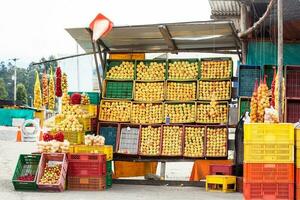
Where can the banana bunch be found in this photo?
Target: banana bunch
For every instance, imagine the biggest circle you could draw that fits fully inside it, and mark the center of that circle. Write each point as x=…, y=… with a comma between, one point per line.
x=180, y=113
x=123, y=71
x=147, y=113
x=194, y=141
x=216, y=142
x=180, y=91
x=37, y=101
x=149, y=91
x=183, y=70
x=219, y=90
x=216, y=69
x=150, y=140
x=206, y=113
x=172, y=141
x=115, y=111
x=151, y=71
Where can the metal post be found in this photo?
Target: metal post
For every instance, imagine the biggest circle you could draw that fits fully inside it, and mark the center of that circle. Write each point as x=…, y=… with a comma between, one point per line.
x=280, y=56
x=243, y=22
x=162, y=170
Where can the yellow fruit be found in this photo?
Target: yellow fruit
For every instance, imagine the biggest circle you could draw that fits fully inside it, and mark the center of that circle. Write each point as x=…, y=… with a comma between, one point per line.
x=216, y=69
x=180, y=113
x=207, y=114
x=181, y=91
x=123, y=71
x=115, y=111
x=147, y=113
x=150, y=140
x=150, y=71
x=37, y=101
x=172, y=141
x=149, y=91
x=218, y=90
x=216, y=142
x=194, y=141
x=183, y=70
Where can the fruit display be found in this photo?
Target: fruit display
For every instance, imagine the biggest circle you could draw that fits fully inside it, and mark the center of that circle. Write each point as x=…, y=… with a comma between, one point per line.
x=45, y=88
x=53, y=146
x=58, y=89
x=150, y=71
x=208, y=113
x=64, y=83
x=27, y=177
x=74, y=110
x=85, y=100
x=51, y=174
x=115, y=111
x=150, y=140
x=149, y=91
x=219, y=90
x=194, y=141
x=123, y=71
x=181, y=91
x=254, y=105
x=216, y=69
x=216, y=142
x=37, y=101
x=51, y=100
x=180, y=112
x=263, y=100
x=183, y=70
x=95, y=140
x=172, y=141
x=147, y=113
x=69, y=124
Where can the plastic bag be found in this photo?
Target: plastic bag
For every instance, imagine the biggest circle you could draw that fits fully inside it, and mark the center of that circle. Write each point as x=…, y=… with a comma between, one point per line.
x=271, y=115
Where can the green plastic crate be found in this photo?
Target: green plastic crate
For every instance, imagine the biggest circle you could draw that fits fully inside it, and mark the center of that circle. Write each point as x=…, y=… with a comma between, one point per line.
x=118, y=90
x=244, y=106
x=248, y=74
x=94, y=96
x=27, y=164
x=109, y=180
x=108, y=166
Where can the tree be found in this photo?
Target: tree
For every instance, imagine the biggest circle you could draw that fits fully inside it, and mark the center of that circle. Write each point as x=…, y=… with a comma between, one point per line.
x=3, y=92
x=22, y=93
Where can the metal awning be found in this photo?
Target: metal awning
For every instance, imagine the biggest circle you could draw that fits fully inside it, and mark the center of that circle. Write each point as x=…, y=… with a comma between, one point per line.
x=207, y=36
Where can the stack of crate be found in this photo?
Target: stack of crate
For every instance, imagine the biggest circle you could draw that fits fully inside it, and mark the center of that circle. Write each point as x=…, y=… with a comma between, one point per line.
x=268, y=161
x=87, y=172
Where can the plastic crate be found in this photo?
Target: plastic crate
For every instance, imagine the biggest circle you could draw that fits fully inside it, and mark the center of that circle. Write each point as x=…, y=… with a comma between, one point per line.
x=87, y=165
x=222, y=149
x=129, y=139
x=297, y=135
x=247, y=76
x=93, y=96
x=177, y=109
x=181, y=90
x=27, y=165
x=53, y=157
x=148, y=140
x=109, y=180
x=106, y=149
x=114, y=63
x=229, y=67
x=204, y=116
x=91, y=109
x=282, y=133
x=293, y=81
x=268, y=153
x=86, y=122
x=297, y=177
x=297, y=157
x=171, y=61
x=297, y=193
x=115, y=110
x=197, y=139
x=87, y=183
x=268, y=173
x=151, y=77
x=223, y=183
x=117, y=89
x=75, y=137
x=148, y=91
x=217, y=89
x=147, y=113
x=244, y=106
x=109, y=132
x=268, y=191
x=220, y=170
x=108, y=166
x=293, y=111
x=166, y=133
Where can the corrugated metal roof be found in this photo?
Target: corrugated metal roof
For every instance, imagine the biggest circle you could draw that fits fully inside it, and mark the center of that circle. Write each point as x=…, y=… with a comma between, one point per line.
x=189, y=36
x=224, y=8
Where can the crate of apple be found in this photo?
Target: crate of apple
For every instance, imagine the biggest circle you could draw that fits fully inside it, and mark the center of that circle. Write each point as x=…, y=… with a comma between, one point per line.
x=51, y=174
x=216, y=141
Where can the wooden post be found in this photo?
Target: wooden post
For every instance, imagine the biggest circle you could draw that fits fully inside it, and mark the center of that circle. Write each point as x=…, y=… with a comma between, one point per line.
x=243, y=24
x=280, y=56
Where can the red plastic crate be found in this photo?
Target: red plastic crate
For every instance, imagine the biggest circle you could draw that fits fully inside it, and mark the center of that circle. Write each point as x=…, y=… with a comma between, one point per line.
x=94, y=123
x=220, y=169
x=268, y=191
x=293, y=111
x=54, y=157
x=87, y=165
x=298, y=178
x=293, y=81
x=268, y=173
x=86, y=183
x=297, y=193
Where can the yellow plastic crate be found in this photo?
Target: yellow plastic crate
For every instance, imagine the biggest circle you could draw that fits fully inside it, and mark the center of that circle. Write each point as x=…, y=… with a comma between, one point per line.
x=105, y=149
x=268, y=153
x=298, y=157
x=269, y=133
x=91, y=109
x=297, y=135
x=220, y=183
x=86, y=122
x=73, y=137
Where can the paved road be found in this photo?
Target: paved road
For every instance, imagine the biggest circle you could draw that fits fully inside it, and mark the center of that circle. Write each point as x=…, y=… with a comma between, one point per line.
x=9, y=151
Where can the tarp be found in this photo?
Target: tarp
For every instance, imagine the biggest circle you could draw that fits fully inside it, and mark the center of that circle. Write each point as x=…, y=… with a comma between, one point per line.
x=265, y=53
x=6, y=115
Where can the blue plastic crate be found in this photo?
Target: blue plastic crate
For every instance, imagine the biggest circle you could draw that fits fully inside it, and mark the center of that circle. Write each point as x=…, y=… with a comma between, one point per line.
x=109, y=132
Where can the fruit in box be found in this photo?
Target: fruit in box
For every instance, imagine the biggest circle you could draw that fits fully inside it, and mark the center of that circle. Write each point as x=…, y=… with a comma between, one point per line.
x=216, y=69
x=150, y=140
x=180, y=113
x=181, y=91
x=172, y=140
x=53, y=146
x=194, y=141
x=115, y=111
x=51, y=174
x=219, y=90
x=70, y=123
x=28, y=177
x=123, y=71
x=147, y=113
x=183, y=70
x=216, y=142
x=149, y=91
x=74, y=110
x=151, y=71
x=206, y=113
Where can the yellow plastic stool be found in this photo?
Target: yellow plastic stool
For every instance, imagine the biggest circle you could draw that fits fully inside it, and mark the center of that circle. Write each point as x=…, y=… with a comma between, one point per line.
x=213, y=183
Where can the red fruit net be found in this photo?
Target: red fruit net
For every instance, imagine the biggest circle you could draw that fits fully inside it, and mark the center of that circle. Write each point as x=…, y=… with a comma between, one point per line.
x=58, y=89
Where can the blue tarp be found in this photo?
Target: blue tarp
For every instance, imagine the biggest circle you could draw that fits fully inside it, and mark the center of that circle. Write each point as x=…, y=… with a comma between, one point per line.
x=6, y=115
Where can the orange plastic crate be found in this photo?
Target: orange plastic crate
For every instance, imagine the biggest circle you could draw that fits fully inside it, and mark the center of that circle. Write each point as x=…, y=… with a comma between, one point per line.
x=297, y=193
x=268, y=191
x=298, y=178
x=268, y=173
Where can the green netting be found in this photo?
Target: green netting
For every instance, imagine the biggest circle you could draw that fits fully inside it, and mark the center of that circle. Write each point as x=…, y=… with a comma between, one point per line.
x=6, y=115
